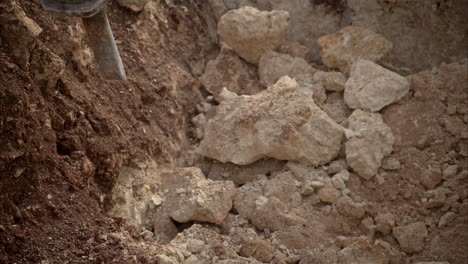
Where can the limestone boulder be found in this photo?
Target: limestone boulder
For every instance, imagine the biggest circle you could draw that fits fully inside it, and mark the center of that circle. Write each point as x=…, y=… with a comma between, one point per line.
x=273, y=65
x=282, y=122
x=231, y=72
x=342, y=49
x=251, y=32
x=372, y=87
x=369, y=141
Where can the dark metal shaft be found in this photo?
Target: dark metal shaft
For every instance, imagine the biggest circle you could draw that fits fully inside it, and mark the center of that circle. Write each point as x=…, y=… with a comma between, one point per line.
x=103, y=45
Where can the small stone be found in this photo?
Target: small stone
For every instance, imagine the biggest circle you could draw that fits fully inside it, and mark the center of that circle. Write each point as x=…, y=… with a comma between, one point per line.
x=147, y=235
x=449, y=172
x=307, y=189
x=316, y=184
x=347, y=207
x=328, y=194
x=195, y=246
x=446, y=219
x=296, y=200
x=264, y=252
x=163, y=259
x=251, y=32
x=411, y=237
x=156, y=200
x=192, y=260
x=371, y=87
x=391, y=164
x=431, y=177
x=385, y=222
x=330, y=81
x=337, y=166
x=343, y=174
x=338, y=182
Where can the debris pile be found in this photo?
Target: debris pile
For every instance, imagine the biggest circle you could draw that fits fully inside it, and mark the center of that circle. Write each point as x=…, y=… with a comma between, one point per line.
x=276, y=150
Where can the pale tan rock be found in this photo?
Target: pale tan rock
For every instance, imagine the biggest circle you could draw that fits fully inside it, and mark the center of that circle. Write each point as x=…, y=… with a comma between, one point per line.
x=371, y=87
x=371, y=140
x=431, y=177
x=385, y=222
x=203, y=200
x=230, y=72
x=411, y=237
x=18, y=31
x=281, y=122
x=347, y=207
x=362, y=251
x=134, y=5
x=446, y=219
x=306, y=82
x=273, y=65
x=264, y=251
x=342, y=49
x=251, y=32
x=328, y=194
x=330, y=81
x=263, y=212
x=336, y=108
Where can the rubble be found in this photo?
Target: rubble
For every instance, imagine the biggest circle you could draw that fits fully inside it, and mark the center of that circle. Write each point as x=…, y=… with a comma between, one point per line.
x=371, y=87
x=342, y=49
x=370, y=141
x=251, y=32
x=281, y=122
x=273, y=65
x=411, y=237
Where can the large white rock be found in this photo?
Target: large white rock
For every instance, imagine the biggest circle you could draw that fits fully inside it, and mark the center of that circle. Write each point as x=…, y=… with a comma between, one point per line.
x=230, y=71
x=372, y=87
x=251, y=32
x=273, y=65
x=282, y=122
x=369, y=141
x=342, y=49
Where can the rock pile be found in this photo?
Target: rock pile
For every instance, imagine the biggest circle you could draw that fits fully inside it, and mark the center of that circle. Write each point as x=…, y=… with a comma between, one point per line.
x=296, y=169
